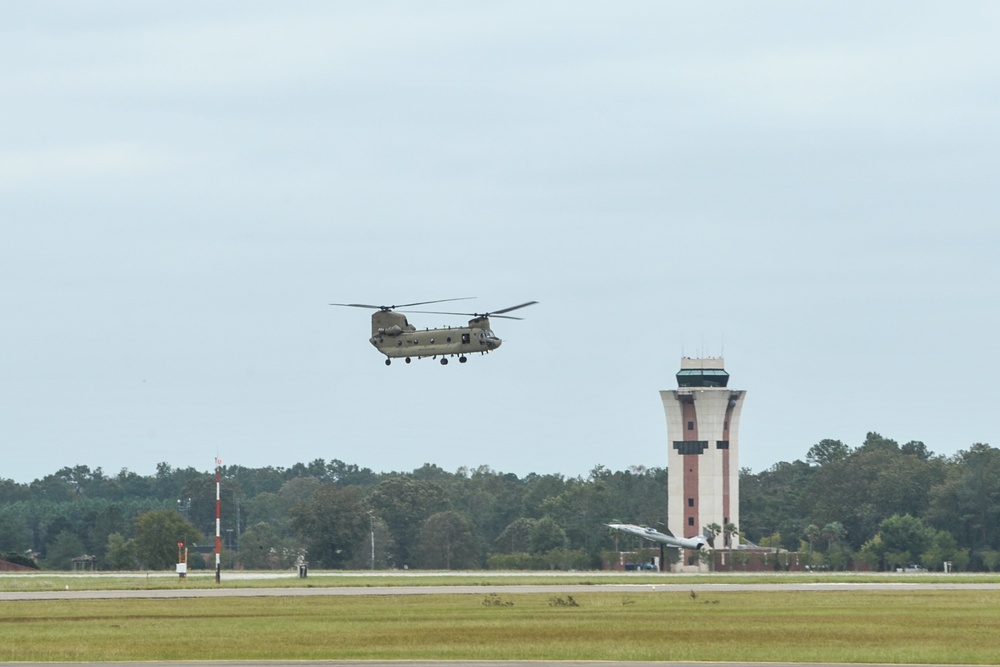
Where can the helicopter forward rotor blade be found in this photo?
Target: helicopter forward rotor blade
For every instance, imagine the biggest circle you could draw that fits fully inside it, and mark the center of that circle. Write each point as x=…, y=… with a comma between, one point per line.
x=443, y=312
x=507, y=310
x=495, y=313
x=402, y=305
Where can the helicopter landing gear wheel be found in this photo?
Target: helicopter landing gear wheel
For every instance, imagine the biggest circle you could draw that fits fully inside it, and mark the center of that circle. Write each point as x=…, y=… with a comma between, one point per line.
x=388, y=362
x=444, y=361
x=462, y=360
x=407, y=360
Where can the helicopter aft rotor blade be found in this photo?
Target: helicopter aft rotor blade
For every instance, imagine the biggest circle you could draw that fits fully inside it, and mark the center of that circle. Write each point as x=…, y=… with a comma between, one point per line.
x=357, y=305
x=421, y=303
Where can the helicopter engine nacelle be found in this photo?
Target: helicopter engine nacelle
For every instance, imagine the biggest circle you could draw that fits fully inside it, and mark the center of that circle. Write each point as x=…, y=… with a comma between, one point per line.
x=389, y=323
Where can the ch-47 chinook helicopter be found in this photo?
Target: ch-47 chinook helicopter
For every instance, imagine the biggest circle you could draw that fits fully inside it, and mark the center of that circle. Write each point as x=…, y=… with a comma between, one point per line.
x=396, y=338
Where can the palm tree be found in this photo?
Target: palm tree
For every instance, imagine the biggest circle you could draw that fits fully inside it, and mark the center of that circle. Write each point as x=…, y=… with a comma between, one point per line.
x=812, y=534
x=729, y=530
x=713, y=530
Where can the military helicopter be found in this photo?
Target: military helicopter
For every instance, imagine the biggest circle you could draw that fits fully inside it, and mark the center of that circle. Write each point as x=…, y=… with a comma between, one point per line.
x=396, y=338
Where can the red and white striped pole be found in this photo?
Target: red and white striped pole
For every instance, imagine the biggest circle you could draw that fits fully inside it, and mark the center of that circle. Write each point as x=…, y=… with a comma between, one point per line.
x=218, y=520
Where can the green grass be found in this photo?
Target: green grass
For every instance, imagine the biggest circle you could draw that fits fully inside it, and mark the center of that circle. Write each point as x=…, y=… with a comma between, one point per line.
x=46, y=581
x=859, y=626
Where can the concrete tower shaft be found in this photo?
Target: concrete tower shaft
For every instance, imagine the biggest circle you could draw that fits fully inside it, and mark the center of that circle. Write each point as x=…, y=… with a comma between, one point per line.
x=703, y=417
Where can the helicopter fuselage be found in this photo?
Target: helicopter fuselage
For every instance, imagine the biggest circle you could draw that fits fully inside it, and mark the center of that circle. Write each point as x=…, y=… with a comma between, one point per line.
x=396, y=338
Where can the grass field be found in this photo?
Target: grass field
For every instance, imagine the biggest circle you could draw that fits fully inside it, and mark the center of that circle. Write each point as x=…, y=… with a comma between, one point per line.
x=46, y=581
x=861, y=626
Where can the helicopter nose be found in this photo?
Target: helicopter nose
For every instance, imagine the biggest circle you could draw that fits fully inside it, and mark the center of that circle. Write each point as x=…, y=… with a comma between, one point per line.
x=493, y=342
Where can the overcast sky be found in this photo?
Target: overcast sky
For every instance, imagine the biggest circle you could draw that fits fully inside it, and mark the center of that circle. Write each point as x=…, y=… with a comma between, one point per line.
x=808, y=189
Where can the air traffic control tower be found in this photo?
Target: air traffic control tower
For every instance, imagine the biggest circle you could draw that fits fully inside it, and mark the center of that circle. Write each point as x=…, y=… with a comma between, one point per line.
x=703, y=418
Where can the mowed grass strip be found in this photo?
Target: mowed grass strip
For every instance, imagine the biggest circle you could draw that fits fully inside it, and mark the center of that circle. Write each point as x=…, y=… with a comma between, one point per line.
x=324, y=579
x=863, y=626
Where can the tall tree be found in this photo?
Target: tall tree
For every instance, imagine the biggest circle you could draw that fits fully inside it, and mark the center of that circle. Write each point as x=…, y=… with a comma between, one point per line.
x=826, y=451
x=583, y=506
x=62, y=550
x=905, y=538
x=516, y=537
x=120, y=553
x=331, y=524
x=491, y=499
x=874, y=482
x=771, y=502
x=404, y=504
x=379, y=537
x=14, y=533
x=253, y=481
x=918, y=449
x=538, y=489
x=262, y=548
x=448, y=541
x=944, y=548
x=876, y=442
x=157, y=535
x=12, y=492
x=547, y=535
x=967, y=501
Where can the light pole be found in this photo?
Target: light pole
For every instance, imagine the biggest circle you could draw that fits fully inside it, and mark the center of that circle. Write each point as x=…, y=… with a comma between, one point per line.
x=371, y=521
x=218, y=519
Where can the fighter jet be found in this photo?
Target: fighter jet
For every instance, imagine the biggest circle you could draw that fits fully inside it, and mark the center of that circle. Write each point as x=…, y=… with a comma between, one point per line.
x=666, y=539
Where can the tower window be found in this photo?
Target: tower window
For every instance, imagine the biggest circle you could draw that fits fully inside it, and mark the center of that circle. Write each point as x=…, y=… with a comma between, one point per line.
x=690, y=520
x=690, y=426
x=688, y=447
x=702, y=377
x=690, y=502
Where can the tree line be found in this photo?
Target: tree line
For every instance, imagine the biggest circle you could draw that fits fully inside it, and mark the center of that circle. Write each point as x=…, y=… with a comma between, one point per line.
x=881, y=503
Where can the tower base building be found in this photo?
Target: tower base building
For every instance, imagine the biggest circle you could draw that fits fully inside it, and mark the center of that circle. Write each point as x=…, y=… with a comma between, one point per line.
x=703, y=482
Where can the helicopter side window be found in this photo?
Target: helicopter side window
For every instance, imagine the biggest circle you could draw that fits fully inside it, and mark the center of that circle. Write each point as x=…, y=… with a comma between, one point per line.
x=465, y=338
